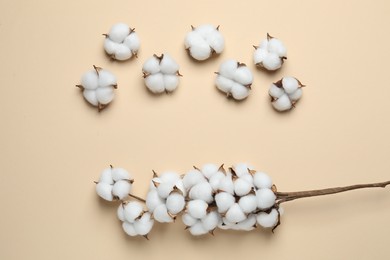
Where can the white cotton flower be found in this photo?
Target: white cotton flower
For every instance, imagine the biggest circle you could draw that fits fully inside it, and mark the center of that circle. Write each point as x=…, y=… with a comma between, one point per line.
x=197, y=208
x=234, y=79
x=270, y=54
x=188, y=220
x=224, y=201
x=235, y=214
x=192, y=178
x=164, y=189
x=175, y=203
x=132, y=210
x=211, y=220
x=242, y=187
x=104, y=190
x=161, y=214
x=203, y=41
x=262, y=180
x=285, y=93
x=268, y=220
x=202, y=191
x=161, y=74
x=144, y=224
x=265, y=198
x=121, y=42
x=248, y=203
x=98, y=87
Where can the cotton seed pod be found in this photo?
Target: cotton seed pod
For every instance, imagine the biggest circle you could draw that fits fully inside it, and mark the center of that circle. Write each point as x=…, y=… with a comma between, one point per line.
x=161, y=74
x=270, y=54
x=114, y=183
x=203, y=41
x=98, y=87
x=234, y=79
x=285, y=93
x=121, y=42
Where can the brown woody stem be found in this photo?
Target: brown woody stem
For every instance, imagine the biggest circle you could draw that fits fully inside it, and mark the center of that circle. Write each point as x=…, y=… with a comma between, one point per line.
x=289, y=196
x=138, y=198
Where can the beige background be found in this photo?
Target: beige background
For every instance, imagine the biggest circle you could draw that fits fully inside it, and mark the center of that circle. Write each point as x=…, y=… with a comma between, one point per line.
x=53, y=145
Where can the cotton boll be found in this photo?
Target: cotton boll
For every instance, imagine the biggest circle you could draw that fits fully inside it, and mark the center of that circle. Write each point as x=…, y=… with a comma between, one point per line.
x=175, y=203
x=197, y=208
x=121, y=189
x=171, y=82
x=262, y=180
x=105, y=95
x=248, y=203
x=242, y=187
x=192, y=178
x=120, y=213
x=275, y=91
x=283, y=103
x=119, y=32
x=290, y=84
x=272, y=62
x=268, y=220
x=295, y=96
x=188, y=220
x=161, y=215
x=120, y=174
x=197, y=229
x=210, y=222
x=122, y=52
x=248, y=224
x=110, y=46
x=209, y=169
x=153, y=200
x=164, y=189
x=152, y=65
x=265, y=198
x=202, y=191
x=168, y=65
x=200, y=52
x=239, y=92
x=243, y=76
x=224, y=201
x=228, y=69
x=132, y=42
x=129, y=229
x=224, y=84
x=132, y=210
x=276, y=46
x=144, y=224
x=90, y=96
x=215, y=180
x=235, y=214
x=106, y=176
x=259, y=56
x=90, y=80
x=104, y=190
x=155, y=83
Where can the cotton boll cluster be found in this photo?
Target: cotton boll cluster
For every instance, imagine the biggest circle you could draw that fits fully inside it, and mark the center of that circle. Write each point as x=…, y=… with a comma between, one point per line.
x=135, y=221
x=203, y=41
x=98, y=87
x=121, y=42
x=285, y=93
x=166, y=197
x=270, y=54
x=234, y=79
x=114, y=183
x=161, y=74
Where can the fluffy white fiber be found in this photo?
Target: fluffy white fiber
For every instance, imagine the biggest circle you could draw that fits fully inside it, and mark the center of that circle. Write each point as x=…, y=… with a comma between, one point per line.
x=270, y=54
x=234, y=79
x=203, y=41
x=114, y=183
x=285, y=93
x=121, y=42
x=98, y=87
x=209, y=197
x=161, y=74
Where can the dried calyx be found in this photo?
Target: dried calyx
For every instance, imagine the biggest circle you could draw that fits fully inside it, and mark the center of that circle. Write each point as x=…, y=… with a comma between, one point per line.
x=207, y=198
